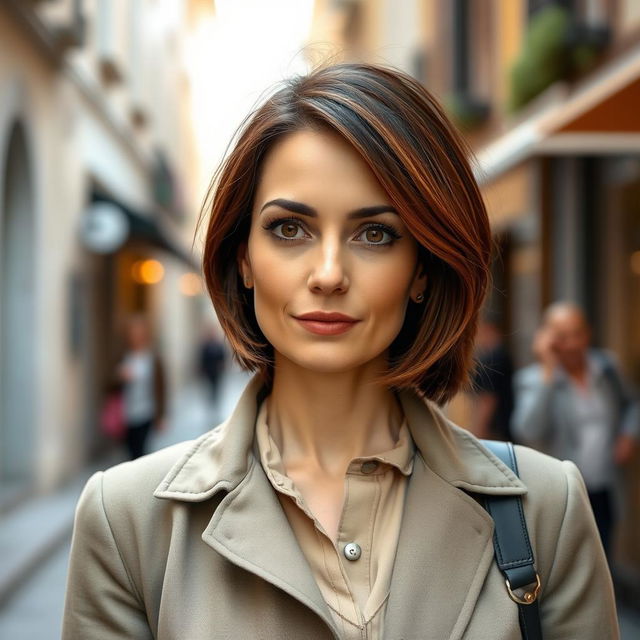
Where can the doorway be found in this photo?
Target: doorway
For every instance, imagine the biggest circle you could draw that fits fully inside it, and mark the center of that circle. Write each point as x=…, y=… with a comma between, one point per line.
x=17, y=324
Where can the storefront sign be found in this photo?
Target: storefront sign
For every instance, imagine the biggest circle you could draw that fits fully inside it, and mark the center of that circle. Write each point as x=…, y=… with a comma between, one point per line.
x=104, y=227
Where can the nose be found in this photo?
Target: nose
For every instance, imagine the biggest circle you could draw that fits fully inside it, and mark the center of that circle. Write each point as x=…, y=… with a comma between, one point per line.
x=328, y=272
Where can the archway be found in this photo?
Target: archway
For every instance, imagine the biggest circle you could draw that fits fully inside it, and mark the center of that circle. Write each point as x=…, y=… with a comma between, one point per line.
x=17, y=313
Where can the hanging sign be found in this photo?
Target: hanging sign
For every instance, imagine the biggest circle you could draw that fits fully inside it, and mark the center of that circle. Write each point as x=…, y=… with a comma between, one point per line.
x=104, y=227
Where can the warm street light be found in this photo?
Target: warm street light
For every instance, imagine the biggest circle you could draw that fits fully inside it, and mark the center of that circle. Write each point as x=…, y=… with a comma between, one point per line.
x=147, y=271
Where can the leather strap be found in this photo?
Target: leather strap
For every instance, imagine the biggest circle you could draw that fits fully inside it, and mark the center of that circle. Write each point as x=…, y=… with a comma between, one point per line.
x=513, y=552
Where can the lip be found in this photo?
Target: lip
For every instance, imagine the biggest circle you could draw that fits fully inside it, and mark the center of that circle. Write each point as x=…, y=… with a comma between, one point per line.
x=326, y=316
x=326, y=323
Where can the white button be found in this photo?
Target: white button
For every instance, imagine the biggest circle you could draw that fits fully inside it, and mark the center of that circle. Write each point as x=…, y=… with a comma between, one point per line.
x=352, y=551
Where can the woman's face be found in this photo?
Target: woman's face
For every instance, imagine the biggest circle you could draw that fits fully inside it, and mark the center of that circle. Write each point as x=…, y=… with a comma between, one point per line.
x=325, y=238
x=137, y=334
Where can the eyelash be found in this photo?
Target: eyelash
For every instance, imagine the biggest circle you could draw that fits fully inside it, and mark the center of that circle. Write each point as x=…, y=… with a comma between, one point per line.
x=270, y=225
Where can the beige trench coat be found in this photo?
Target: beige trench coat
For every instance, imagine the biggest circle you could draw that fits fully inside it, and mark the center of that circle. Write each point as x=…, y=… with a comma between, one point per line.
x=191, y=543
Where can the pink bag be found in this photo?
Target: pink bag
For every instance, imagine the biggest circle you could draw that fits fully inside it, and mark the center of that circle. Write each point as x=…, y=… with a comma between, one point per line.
x=112, y=416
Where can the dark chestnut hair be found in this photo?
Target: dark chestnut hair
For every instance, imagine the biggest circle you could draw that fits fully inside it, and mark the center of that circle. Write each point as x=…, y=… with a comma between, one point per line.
x=402, y=133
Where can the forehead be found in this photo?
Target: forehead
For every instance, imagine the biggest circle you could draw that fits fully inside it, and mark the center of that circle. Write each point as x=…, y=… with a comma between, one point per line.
x=321, y=166
x=568, y=321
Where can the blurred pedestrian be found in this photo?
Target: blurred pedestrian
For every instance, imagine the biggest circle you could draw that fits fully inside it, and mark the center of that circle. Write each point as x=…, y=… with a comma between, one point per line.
x=143, y=386
x=212, y=359
x=575, y=405
x=347, y=256
x=492, y=384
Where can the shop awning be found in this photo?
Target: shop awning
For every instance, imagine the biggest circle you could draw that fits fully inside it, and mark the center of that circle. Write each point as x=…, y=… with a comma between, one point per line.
x=601, y=116
x=147, y=228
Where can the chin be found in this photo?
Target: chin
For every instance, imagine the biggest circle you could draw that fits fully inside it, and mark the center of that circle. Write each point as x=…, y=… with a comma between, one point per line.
x=326, y=360
x=324, y=365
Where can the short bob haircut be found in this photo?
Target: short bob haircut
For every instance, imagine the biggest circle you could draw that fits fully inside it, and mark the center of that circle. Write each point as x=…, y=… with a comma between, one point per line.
x=401, y=132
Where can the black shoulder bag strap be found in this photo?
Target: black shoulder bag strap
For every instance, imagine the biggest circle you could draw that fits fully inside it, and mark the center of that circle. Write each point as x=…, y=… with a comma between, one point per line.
x=513, y=551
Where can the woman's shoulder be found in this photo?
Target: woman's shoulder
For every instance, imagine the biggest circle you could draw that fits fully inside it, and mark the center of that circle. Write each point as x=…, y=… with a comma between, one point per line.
x=556, y=506
x=533, y=465
x=543, y=474
x=554, y=498
x=568, y=553
x=548, y=480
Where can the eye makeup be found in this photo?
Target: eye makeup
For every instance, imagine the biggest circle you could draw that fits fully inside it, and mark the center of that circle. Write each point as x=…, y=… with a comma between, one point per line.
x=271, y=224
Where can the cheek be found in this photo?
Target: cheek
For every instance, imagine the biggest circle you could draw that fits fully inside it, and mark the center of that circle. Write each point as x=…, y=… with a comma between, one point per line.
x=274, y=280
x=272, y=277
x=386, y=291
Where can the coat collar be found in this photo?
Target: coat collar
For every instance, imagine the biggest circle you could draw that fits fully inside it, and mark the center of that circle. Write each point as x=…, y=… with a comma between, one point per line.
x=454, y=454
x=220, y=459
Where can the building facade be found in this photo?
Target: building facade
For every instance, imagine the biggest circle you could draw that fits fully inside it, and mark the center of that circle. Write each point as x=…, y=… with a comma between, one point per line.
x=94, y=117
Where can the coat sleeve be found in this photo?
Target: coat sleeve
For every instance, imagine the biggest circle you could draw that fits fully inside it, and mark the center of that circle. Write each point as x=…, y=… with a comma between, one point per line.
x=531, y=421
x=101, y=601
x=578, y=599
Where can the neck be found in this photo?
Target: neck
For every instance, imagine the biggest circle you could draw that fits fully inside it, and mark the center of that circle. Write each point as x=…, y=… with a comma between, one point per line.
x=324, y=420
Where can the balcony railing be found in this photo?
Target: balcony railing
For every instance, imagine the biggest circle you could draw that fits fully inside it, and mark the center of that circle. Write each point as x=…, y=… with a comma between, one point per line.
x=557, y=46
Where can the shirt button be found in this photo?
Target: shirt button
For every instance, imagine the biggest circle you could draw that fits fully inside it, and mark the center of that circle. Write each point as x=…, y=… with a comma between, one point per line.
x=352, y=551
x=369, y=466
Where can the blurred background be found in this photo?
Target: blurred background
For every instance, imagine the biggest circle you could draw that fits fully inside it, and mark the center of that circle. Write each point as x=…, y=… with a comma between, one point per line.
x=113, y=117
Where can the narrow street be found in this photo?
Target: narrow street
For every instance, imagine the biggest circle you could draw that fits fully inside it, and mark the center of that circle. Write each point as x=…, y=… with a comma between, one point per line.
x=35, y=610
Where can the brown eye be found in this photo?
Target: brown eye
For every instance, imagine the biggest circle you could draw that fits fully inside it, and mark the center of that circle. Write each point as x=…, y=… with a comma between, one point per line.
x=289, y=230
x=286, y=229
x=378, y=235
x=374, y=235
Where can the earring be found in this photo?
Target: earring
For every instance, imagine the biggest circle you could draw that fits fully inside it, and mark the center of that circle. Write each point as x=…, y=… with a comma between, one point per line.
x=247, y=283
x=419, y=297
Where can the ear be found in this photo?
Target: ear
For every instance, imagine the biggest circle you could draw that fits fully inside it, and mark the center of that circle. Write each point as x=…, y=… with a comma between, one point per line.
x=419, y=282
x=244, y=265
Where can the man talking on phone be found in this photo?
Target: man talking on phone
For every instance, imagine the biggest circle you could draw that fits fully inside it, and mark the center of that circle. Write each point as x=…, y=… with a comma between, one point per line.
x=575, y=405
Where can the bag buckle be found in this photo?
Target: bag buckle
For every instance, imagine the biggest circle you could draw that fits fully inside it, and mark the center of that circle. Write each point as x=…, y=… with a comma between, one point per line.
x=529, y=597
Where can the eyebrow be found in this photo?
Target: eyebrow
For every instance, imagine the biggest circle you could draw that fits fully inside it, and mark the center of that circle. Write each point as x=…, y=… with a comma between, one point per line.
x=306, y=210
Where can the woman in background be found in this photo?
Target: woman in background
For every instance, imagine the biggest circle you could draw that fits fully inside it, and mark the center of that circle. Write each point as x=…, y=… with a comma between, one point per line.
x=142, y=378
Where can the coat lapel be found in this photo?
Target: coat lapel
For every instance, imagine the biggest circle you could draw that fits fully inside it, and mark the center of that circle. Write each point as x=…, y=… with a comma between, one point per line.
x=251, y=530
x=445, y=548
x=444, y=552
x=248, y=527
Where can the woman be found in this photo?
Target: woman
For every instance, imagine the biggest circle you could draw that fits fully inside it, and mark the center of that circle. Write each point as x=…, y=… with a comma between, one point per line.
x=347, y=256
x=141, y=376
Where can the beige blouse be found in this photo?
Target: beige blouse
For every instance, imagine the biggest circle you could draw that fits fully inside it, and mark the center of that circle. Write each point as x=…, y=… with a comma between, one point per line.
x=354, y=572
